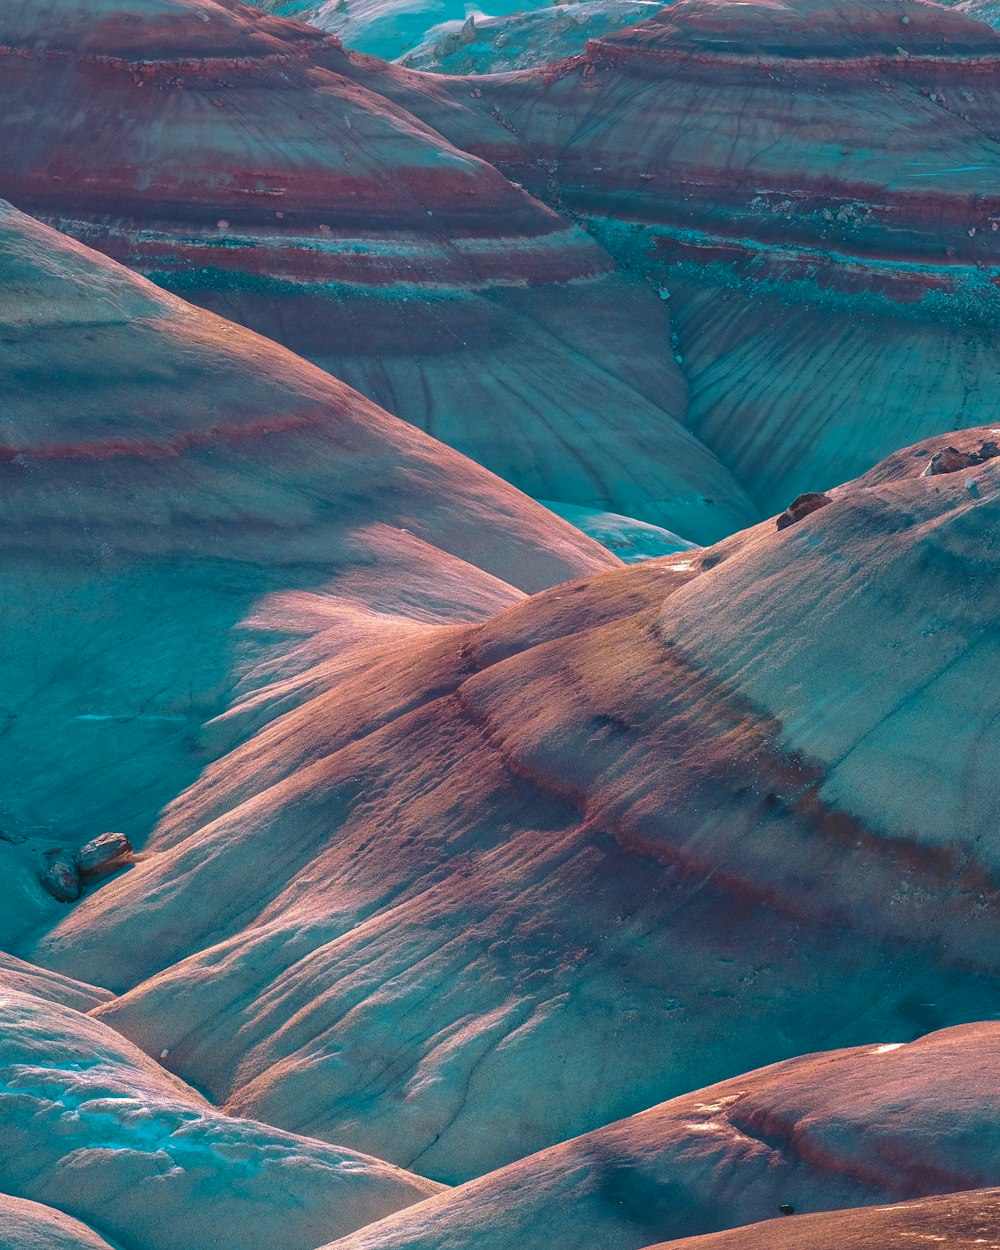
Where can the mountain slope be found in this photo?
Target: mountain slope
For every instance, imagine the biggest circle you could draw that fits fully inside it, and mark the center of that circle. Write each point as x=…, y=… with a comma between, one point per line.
x=512, y=867
x=30, y=1226
x=93, y=1126
x=846, y=1128
x=812, y=188
x=960, y=1221
x=164, y=472
x=220, y=152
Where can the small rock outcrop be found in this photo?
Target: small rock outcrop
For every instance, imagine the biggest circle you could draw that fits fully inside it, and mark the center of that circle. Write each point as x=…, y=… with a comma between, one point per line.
x=103, y=854
x=62, y=879
x=951, y=460
x=801, y=507
x=64, y=875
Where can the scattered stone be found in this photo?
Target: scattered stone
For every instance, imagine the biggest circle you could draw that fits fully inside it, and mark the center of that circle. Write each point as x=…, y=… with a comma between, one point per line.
x=812, y=501
x=951, y=460
x=62, y=880
x=103, y=853
x=456, y=39
x=786, y=1208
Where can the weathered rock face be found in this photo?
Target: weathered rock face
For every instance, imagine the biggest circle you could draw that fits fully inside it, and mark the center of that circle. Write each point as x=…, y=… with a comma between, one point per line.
x=163, y=472
x=382, y=28
x=436, y=34
x=814, y=185
x=851, y=1127
x=984, y=10
x=18, y=974
x=220, y=152
x=93, y=1126
x=520, y=40
x=543, y=842
x=871, y=664
x=458, y=863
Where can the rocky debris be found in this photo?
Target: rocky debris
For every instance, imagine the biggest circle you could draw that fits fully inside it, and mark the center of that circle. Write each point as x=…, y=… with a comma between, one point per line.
x=62, y=879
x=532, y=36
x=951, y=460
x=64, y=874
x=456, y=39
x=103, y=853
x=801, y=507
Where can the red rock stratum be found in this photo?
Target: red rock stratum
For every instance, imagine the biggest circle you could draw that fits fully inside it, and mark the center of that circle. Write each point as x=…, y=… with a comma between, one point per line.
x=220, y=152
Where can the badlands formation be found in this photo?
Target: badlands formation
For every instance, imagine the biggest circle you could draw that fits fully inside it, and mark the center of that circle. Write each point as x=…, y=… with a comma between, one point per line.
x=222, y=154
x=813, y=189
x=164, y=473
x=501, y=570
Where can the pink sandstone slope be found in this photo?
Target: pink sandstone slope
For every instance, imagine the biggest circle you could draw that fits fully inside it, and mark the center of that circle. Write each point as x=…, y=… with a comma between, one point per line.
x=963, y=1221
x=847, y=1128
x=218, y=151
x=813, y=188
x=31, y=1226
x=475, y=892
x=164, y=473
x=17, y=974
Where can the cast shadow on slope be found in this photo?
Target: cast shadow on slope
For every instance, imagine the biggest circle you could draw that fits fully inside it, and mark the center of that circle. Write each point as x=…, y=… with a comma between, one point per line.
x=164, y=471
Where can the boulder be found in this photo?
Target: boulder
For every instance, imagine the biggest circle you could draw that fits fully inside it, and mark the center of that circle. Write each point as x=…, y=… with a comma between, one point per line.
x=103, y=853
x=801, y=507
x=951, y=460
x=62, y=880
